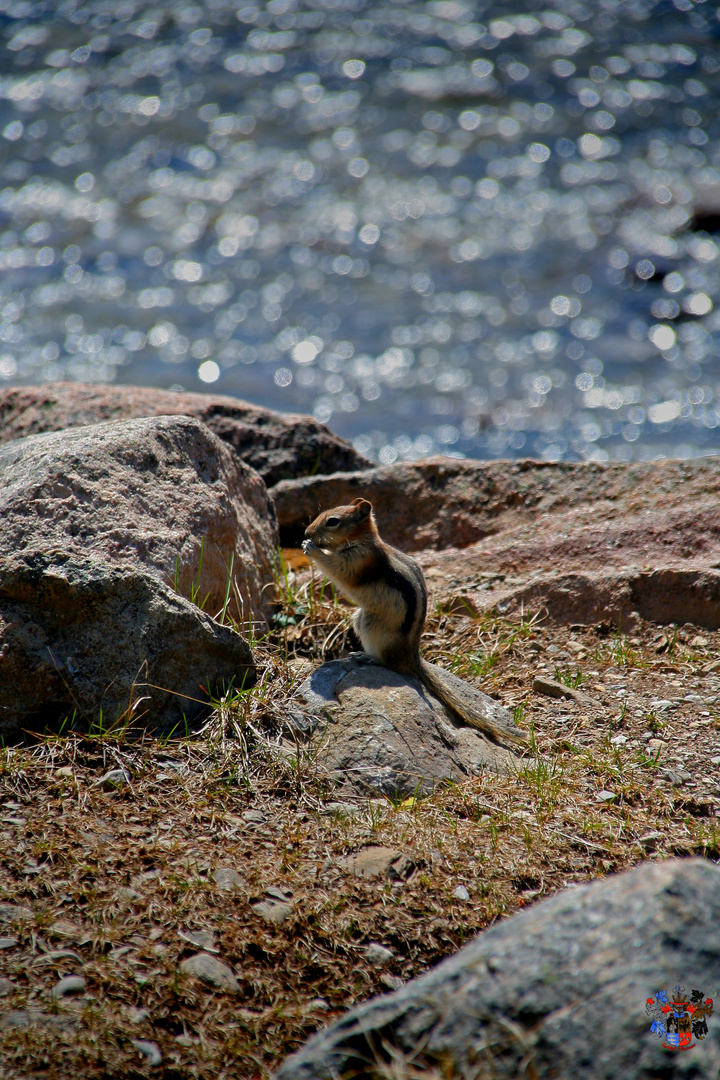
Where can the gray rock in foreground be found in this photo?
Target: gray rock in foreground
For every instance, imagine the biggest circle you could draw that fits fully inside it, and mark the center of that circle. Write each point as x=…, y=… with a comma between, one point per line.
x=380, y=732
x=560, y=987
x=86, y=640
x=143, y=492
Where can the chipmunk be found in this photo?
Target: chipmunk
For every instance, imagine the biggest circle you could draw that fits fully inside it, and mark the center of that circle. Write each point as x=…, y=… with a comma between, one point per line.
x=389, y=588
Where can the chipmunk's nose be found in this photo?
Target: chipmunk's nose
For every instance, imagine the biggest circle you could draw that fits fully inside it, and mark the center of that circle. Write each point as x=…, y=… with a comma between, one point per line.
x=307, y=531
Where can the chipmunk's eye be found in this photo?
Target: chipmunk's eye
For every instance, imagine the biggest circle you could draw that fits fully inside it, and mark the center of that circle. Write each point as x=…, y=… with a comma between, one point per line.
x=332, y=523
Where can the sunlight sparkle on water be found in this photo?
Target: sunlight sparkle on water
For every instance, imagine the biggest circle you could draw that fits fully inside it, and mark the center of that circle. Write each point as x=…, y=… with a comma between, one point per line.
x=477, y=230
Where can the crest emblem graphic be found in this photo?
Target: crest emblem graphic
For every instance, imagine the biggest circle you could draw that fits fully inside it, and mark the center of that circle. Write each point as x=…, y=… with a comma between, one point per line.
x=680, y=1018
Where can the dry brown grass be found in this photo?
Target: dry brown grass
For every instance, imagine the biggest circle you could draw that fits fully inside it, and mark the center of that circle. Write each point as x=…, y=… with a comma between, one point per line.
x=73, y=847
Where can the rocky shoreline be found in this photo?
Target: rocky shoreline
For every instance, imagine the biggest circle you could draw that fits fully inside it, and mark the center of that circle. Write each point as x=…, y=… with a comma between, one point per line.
x=140, y=569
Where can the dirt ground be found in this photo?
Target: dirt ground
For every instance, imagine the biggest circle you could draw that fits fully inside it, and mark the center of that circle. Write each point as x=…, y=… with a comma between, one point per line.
x=123, y=856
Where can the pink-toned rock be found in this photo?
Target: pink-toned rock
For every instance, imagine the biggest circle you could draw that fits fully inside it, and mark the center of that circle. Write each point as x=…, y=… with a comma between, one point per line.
x=616, y=596
x=446, y=502
x=582, y=542
x=147, y=492
x=276, y=445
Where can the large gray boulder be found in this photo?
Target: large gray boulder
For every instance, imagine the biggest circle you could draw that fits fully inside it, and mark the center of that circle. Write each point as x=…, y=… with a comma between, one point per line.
x=377, y=732
x=560, y=990
x=93, y=643
x=150, y=493
x=276, y=445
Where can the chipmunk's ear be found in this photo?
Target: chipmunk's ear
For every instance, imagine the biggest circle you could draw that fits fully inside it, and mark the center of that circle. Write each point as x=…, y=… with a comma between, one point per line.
x=363, y=509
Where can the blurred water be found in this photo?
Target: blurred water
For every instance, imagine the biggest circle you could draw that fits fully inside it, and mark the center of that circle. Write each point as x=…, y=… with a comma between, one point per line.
x=481, y=228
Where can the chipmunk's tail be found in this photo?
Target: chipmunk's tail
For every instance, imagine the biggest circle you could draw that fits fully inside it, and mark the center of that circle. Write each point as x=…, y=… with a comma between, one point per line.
x=473, y=712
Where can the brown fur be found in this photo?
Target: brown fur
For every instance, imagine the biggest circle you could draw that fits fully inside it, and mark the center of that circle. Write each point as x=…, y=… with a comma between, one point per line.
x=389, y=588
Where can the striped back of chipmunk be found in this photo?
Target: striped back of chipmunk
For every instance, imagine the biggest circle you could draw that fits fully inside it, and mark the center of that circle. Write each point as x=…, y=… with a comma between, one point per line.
x=400, y=575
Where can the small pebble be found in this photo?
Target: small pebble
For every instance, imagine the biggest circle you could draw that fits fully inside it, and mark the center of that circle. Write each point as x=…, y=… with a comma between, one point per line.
x=278, y=894
x=112, y=780
x=227, y=879
x=72, y=984
x=126, y=895
x=6, y=987
x=340, y=808
x=619, y=740
x=211, y=971
x=461, y=893
x=377, y=954
x=650, y=840
x=274, y=908
x=15, y=913
x=136, y=1015
x=185, y=1040
x=201, y=939
x=149, y=1050
x=316, y=1005
x=605, y=796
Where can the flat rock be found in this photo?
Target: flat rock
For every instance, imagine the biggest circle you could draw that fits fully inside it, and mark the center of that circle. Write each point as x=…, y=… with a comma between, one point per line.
x=572, y=539
x=277, y=445
x=227, y=878
x=112, y=780
x=81, y=639
x=274, y=909
x=444, y=502
x=378, y=861
x=65, y=928
x=15, y=913
x=211, y=971
x=561, y=987
x=553, y=688
x=377, y=955
x=71, y=984
x=620, y=596
x=22, y=1018
x=127, y=896
x=158, y=493
x=201, y=939
x=380, y=732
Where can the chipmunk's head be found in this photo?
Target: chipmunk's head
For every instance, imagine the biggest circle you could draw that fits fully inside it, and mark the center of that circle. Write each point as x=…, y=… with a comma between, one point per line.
x=335, y=529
